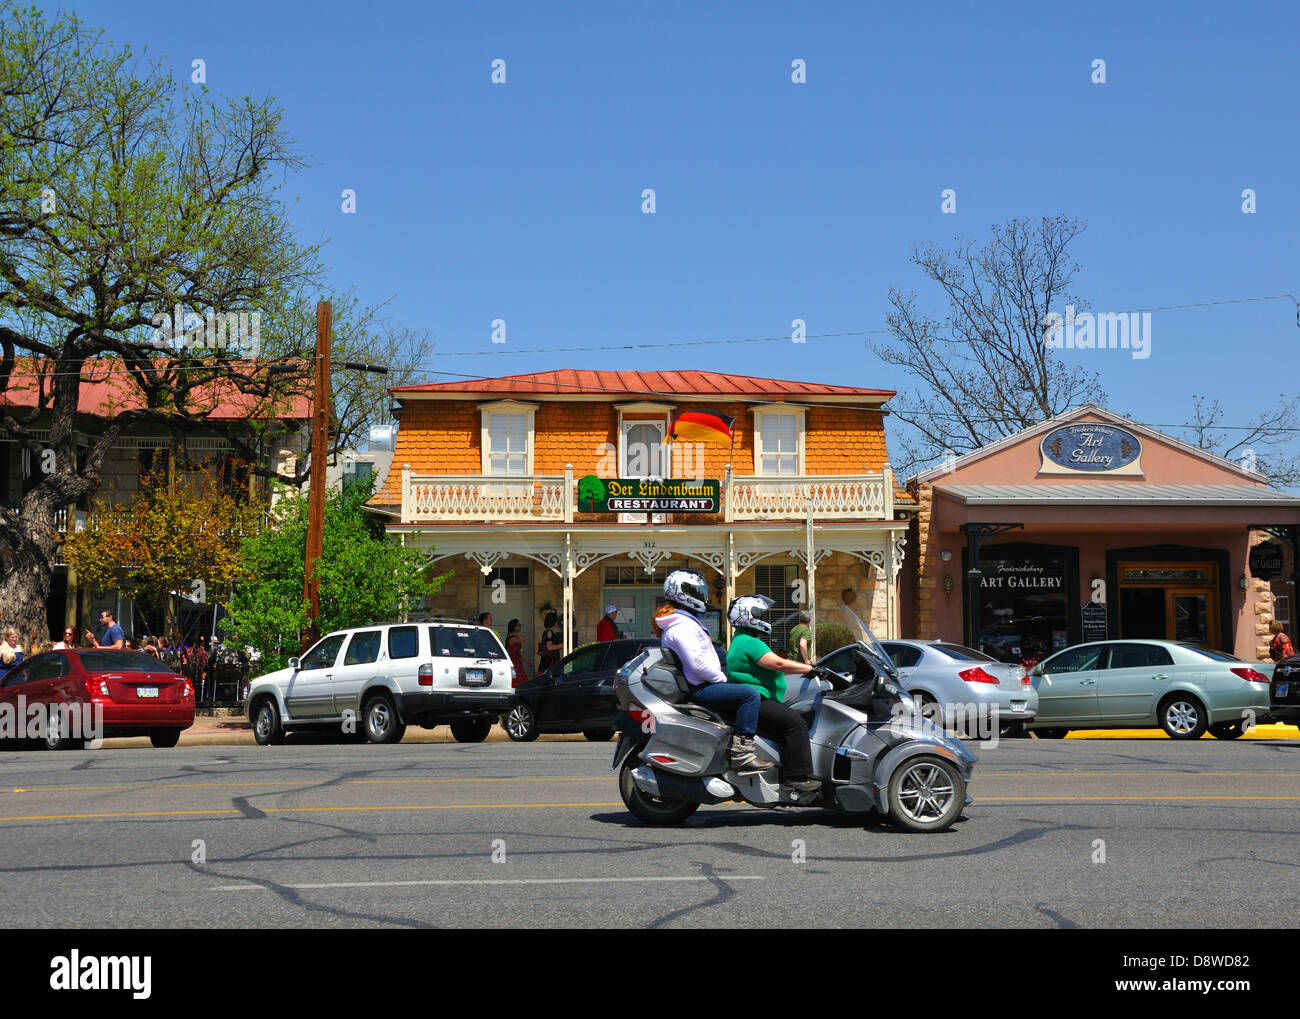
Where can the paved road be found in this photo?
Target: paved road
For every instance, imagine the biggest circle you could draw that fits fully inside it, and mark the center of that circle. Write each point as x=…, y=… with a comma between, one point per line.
x=446, y=835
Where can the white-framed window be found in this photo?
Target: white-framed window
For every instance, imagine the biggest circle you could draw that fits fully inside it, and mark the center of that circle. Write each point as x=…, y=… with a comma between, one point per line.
x=507, y=439
x=778, y=442
x=1282, y=609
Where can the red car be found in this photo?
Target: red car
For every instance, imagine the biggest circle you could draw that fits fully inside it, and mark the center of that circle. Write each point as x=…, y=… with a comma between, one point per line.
x=94, y=695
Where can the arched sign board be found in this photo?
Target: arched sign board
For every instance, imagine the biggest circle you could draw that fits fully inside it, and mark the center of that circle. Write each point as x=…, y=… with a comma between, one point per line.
x=1091, y=448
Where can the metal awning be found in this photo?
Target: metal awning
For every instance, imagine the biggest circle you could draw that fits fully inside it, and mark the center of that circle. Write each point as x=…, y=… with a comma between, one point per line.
x=1113, y=494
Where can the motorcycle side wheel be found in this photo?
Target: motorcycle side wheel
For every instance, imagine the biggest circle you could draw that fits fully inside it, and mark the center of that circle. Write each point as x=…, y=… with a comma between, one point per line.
x=646, y=808
x=926, y=794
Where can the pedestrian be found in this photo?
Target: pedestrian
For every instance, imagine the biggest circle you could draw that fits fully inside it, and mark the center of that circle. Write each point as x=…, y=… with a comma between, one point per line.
x=1280, y=647
x=114, y=638
x=11, y=651
x=483, y=619
x=550, y=646
x=69, y=641
x=515, y=649
x=801, y=638
x=605, y=629
x=201, y=666
x=150, y=647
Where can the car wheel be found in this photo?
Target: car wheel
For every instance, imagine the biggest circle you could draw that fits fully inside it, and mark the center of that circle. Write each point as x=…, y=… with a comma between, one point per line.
x=599, y=735
x=471, y=730
x=1182, y=717
x=926, y=794
x=267, y=730
x=56, y=737
x=932, y=710
x=521, y=724
x=647, y=808
x=163, y=738
x=382, y=724
x=1051, y=733
x=1011, y=730
x=1228, y=730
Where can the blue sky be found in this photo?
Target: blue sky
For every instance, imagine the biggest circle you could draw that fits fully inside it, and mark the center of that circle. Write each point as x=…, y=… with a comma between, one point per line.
x=777, y=201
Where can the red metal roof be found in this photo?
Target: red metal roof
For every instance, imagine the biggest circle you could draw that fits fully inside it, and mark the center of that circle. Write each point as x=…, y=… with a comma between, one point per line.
x=579, y=382
x=106, y=390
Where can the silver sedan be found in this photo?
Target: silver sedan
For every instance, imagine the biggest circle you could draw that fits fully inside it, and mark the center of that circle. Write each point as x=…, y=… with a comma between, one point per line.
x=1183, y=688
x=964, y=690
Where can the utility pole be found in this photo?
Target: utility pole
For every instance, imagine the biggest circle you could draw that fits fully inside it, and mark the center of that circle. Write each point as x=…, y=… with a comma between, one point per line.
x=320, y=419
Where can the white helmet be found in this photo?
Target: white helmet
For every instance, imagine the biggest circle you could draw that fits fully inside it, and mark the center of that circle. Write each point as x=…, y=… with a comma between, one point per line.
x=746, y=612
x=687, y=589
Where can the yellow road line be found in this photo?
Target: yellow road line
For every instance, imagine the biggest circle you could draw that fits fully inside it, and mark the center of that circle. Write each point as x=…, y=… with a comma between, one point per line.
x=300, y=810
x=1090, y=799
x=1140, y=774
x=240, y=785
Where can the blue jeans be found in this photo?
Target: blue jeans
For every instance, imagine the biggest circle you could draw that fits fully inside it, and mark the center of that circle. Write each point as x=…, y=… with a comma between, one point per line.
x=741, y=699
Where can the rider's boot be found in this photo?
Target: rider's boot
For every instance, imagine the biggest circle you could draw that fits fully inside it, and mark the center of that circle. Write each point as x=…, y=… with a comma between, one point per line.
x=743, y=756
x=801, y=785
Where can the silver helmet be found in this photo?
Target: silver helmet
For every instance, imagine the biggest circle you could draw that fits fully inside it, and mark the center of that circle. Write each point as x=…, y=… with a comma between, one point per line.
x=687, y=589
x=746, y=612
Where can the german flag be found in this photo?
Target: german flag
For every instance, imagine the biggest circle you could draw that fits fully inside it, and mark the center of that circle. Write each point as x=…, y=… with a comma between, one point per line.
x=701, y=426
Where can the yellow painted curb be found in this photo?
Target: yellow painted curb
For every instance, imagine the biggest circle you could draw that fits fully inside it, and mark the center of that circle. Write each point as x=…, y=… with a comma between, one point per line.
x=1275, y=731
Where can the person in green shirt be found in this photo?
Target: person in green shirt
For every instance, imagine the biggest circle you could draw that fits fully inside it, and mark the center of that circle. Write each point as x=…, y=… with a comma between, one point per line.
x=752, y=662
x=801, y=639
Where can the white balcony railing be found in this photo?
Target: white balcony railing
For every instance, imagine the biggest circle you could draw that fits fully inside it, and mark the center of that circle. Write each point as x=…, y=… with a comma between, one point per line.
x=477, y=498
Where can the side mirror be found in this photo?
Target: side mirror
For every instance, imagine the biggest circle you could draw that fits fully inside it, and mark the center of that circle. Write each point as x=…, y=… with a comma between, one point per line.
x=294, y=664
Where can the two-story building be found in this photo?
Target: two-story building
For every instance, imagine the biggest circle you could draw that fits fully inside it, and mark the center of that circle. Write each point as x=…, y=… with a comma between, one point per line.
x=486, y=476
x=277, y=432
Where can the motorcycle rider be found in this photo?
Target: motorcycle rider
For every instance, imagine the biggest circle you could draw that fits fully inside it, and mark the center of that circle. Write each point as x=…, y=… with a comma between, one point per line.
x=684, y=635
x=751, y=662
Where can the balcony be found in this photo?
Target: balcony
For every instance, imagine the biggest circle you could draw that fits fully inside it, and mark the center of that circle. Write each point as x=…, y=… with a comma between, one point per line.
x=477, y=498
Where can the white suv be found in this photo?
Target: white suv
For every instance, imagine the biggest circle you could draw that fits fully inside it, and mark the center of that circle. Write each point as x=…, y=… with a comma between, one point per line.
x=375, y=680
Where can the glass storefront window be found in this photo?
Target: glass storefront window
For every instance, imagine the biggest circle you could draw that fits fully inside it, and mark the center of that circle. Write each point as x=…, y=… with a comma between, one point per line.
x=1022, y=608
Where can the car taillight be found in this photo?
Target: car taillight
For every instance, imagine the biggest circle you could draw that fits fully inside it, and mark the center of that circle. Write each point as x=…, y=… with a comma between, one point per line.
x=188, y=692
x=977, y=675
x=425, y=676
x=1025, y=680
x=1250, y=675
x=96, y=687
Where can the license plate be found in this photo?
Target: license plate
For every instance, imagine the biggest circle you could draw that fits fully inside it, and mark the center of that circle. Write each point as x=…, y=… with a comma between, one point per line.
x=1018, y=705
x=477, y=677
x=1282, y=689
x=146, y=691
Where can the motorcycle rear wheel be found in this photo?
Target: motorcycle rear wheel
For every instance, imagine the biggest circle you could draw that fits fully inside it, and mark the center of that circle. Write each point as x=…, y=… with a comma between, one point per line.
x=646, y=808
x=926, y=794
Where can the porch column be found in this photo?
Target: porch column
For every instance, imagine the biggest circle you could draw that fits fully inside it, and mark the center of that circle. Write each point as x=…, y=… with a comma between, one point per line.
x=728, y=583
x=811, y=560
x=567, y=603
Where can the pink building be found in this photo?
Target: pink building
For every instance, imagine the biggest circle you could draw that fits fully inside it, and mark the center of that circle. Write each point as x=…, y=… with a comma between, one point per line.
x=1092, y=527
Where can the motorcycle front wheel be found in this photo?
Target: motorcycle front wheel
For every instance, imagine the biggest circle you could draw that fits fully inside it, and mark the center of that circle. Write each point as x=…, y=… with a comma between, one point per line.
x=926, y=794
x=646, y=807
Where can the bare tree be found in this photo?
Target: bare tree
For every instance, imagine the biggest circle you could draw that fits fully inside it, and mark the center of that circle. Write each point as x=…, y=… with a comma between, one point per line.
x=1267, y=445
x=983, y=369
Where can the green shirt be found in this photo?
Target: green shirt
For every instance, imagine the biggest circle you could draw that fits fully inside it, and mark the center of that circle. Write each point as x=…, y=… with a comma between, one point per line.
x=743, y=667
x=800, y=632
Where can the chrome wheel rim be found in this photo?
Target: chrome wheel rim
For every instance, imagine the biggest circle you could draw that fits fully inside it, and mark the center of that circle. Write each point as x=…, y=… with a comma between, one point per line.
x=519, y=721
x=378, y=719
x=925, y=792
x=264, y=722
x=1181, y=717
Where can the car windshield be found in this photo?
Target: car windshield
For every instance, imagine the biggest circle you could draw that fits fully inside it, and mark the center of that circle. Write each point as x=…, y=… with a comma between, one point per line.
x=962, y=654
x=119, y=661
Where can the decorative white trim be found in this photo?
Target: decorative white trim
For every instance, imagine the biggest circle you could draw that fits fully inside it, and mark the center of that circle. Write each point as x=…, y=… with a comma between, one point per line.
x=649, y=558
x=802, y=555
x=486, y=560
x=899, y=550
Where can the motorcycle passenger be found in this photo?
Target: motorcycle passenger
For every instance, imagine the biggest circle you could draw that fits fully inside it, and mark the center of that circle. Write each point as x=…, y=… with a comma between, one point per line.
x=751, y=662
x=684, y=635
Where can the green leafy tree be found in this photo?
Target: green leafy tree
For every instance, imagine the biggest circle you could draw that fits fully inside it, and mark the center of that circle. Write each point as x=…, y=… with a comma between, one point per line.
x=178, y=536
x=365, y=577
x=126, y=193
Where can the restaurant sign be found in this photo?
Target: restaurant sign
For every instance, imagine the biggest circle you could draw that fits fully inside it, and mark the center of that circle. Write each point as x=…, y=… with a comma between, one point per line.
x=1091, y=448
x=647, y=495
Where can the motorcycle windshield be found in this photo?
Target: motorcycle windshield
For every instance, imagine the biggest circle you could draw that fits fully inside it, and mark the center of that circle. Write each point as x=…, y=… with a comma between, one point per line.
x=868, y=640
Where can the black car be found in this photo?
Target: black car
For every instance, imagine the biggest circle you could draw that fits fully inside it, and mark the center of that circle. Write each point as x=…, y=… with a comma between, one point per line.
x=1284, y=691
x=576, y=694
